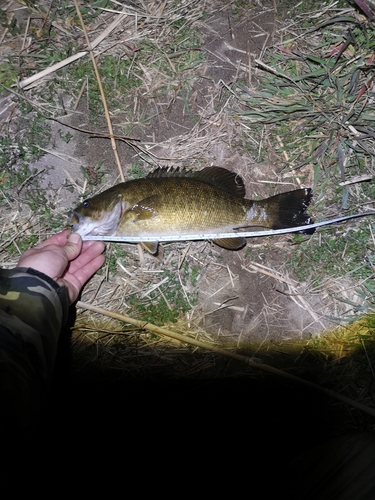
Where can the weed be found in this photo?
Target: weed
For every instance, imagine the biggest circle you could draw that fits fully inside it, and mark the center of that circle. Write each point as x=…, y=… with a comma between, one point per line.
x=94, y=175
x=137, y=171
x=26, y=146
x=65, y=137
x=116, y=77
x=23, y=245
x=115, y=252
x=315, y=95
x=195, y=272
x=8, y=76
x=167, y=302
x=337, y=252
x=320, y=99
x=157, y=314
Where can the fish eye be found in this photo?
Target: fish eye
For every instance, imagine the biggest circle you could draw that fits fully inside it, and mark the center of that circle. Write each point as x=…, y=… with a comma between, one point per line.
x=86, y=204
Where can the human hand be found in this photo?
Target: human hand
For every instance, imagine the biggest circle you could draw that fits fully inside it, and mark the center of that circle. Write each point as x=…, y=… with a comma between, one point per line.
x=66, y=259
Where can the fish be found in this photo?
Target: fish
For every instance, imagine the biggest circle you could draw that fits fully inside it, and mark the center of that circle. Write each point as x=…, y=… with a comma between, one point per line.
x=176, y=202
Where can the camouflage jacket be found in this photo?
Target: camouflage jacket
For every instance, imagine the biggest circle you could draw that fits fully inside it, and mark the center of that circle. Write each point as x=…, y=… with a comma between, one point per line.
x=33, y=309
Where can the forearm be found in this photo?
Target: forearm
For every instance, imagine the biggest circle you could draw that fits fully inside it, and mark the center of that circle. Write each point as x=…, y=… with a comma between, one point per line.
x=33, y=309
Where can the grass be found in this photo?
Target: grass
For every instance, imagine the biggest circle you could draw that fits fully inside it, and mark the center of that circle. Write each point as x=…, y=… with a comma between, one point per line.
x=162, y=302
x=315, y=93
x=52, y=38
x=312, y=108
x=25, y=147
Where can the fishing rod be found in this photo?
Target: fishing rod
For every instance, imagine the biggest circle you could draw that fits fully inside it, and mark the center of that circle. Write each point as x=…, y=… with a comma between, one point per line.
x=214, y=236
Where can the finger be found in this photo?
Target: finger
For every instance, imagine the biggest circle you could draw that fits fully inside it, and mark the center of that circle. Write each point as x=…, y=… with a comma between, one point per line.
x=73, y=246
x=90, y=250
x=89, y=243
x=59, y=239
x=74, y=282
x=84, y=273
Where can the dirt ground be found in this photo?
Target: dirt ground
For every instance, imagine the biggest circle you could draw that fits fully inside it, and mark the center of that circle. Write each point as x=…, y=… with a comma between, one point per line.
x=237, y=301
x=245, y=297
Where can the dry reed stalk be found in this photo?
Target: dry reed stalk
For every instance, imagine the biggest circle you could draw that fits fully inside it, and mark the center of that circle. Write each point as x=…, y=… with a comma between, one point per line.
x=25, y=84
x=104, y=101
x=223, y=352
x=269, y=272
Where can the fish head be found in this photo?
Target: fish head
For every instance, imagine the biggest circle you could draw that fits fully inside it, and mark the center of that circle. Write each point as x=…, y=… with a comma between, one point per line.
x=98, y=216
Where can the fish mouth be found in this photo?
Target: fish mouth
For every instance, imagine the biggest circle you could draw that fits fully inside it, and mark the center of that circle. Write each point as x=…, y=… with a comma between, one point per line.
x=75, y=222
x=85, y=226
x=105, y=225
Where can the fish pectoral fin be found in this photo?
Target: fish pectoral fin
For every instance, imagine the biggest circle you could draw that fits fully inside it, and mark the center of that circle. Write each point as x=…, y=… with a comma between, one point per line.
x=150, y=246
x=230, y=243
x=145, y=209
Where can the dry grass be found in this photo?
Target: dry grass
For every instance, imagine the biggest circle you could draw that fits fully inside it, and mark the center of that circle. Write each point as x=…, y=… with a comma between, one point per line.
x=133, y=283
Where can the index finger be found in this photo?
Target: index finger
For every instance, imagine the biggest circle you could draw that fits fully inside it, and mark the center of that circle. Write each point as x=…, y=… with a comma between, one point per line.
x=90, y=250
x=59, y=239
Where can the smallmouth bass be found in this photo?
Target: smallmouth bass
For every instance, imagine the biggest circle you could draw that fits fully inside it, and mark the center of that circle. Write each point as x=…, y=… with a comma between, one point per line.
x=176, y=202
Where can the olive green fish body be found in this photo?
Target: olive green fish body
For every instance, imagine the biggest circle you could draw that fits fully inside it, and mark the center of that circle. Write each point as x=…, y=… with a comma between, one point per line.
x=179, y=206
x=173, y=202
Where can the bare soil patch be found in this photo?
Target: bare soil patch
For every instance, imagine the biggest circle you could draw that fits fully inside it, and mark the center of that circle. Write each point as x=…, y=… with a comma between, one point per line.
x=248, y=301
x=246, y=296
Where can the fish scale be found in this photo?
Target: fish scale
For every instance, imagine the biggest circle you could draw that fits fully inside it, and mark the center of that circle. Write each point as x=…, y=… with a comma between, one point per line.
x=199, y=207
x=170, y=202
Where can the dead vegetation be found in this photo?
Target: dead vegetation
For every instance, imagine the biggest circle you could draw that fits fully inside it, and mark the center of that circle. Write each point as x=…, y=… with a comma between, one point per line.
x=184, y=84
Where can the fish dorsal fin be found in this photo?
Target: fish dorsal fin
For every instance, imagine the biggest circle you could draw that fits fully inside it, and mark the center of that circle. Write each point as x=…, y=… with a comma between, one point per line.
x=219, y=177
x=164, y=172
x=223, y=179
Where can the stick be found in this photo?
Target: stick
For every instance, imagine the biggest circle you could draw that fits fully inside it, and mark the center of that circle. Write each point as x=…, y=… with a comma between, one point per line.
x=238, y=357
x=51, y=69
x=27, y=81
x=109, y=123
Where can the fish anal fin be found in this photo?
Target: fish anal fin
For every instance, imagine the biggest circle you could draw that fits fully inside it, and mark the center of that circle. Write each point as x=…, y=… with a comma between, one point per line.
x=230, y=243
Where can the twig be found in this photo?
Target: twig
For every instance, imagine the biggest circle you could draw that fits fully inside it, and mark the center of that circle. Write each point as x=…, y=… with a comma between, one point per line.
x=109, y=123
x=354, y=180
x=44, y=112
x=262, y=269
x=275, y=72
x=239, y=357
x=28, y=179
x=23, y=84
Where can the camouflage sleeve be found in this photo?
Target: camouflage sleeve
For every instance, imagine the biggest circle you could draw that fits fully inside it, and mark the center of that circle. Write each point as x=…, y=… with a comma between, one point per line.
x=33, y=309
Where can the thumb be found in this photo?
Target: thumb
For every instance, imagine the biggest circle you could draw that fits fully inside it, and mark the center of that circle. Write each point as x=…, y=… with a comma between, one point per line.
x=73, y=246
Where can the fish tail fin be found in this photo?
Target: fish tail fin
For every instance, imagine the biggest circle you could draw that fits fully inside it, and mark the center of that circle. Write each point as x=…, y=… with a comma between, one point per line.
x=288, y=210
